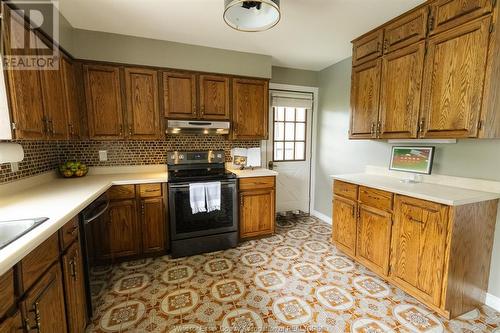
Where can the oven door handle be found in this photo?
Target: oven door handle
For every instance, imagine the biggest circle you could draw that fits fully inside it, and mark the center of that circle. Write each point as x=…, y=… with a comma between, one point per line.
x=184, y=185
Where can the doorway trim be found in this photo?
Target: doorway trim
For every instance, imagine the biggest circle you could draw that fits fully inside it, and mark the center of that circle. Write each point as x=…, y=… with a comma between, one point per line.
x=312, y=186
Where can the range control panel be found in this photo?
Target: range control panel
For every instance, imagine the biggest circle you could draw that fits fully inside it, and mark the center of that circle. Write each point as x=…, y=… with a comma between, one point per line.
x=195, y=157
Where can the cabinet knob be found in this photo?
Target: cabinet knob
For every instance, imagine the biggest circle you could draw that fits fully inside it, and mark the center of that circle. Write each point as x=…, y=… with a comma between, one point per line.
x=130, y=130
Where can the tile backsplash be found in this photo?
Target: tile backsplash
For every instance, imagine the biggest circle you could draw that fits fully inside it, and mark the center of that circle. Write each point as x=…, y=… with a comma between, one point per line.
x=45, y=156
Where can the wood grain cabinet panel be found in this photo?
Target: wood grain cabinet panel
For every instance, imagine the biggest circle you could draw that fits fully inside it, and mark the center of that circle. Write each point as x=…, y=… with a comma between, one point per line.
x=365, y=89
x=446, y=14
x=143, y=115
x=378, y=199
x=69, y=233
x=418, y=247
x=122, y=229
x=150, y=190
x=345, y=224
x=104, y=102
x=346, y=190
x=74, y=287
x=71, y=98
x=257, y=213
x=374, y=239
x=119, y=192
x=12, y=324
x=454, y=81
x=153, y=225
x=6, y=292
x=179, y=95
x=405, y=31
x=214, y=97
x=250, y=109
x=255, y=183
x=400, y=92
x=367, y=48
x=43, y=306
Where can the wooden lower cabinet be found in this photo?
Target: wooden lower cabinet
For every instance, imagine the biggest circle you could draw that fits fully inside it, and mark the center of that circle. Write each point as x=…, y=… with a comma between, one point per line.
x=74, y=287
x=153, y=232
x=257, y=207
x=12, y=324
x=374, y=238
x=345, y=226
x=43, y=306
x=433, y=252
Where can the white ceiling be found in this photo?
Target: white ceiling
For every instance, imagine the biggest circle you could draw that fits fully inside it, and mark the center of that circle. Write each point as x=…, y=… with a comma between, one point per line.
x=312, y=34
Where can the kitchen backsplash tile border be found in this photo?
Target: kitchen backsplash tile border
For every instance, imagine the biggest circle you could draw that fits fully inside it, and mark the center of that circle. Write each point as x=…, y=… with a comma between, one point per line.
x=43, y=156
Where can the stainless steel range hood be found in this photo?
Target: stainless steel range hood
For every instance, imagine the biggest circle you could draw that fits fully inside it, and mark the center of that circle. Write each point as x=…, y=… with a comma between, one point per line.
x=198, y=127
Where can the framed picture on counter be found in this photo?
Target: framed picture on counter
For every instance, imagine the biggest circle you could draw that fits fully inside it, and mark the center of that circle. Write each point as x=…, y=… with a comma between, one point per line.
x=412, y=159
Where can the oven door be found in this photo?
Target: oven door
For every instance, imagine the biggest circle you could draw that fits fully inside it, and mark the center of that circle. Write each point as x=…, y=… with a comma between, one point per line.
x=184, y=224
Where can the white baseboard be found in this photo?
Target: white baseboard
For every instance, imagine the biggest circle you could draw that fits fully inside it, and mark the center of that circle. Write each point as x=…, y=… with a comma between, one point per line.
x=493, y=302
x=321, y=216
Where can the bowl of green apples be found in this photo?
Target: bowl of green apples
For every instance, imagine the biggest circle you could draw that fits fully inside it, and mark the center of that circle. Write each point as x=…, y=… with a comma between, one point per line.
x=73, y=169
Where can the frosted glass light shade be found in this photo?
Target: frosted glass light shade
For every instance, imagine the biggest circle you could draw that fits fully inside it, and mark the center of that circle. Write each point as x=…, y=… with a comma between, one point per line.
x=252, y=15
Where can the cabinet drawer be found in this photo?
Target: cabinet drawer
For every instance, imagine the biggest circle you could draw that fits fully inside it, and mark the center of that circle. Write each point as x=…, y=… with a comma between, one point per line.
x=121, y=192
x=407, y=30
x=256, y=183
x=446, y=14
x=367, y=48
x=345, y=190
x=375, y=198
x=68, y=233
x=6, y=292
x=38, y=261
x=150, y=190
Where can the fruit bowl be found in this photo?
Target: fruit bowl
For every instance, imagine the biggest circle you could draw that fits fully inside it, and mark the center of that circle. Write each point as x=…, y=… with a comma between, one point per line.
x=73, y=169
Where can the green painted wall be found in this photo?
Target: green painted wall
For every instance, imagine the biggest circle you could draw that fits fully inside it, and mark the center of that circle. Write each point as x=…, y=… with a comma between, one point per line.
x=298, y=77
x=337, y=154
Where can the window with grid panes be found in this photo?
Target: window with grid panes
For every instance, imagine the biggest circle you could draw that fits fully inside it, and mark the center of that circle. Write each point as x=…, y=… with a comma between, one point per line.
x=289, y=134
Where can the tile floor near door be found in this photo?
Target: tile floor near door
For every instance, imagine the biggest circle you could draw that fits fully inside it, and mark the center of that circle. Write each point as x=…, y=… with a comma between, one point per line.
x=294, y=281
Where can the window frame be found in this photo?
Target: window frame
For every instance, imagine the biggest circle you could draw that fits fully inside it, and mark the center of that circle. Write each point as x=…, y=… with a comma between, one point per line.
x=294, y=141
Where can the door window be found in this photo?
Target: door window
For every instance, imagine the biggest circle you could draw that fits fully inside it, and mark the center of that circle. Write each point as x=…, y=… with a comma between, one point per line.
x=289, y=141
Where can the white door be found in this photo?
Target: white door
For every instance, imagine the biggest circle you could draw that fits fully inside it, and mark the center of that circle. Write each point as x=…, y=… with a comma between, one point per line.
x=288, y=150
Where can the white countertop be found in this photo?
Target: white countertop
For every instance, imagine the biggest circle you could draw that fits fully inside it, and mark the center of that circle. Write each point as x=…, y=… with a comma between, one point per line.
x=447, y=195
x=59, y=200
x=257, y=172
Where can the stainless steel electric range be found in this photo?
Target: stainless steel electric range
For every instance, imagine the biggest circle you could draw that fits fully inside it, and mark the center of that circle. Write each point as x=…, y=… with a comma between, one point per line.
x=206, y=231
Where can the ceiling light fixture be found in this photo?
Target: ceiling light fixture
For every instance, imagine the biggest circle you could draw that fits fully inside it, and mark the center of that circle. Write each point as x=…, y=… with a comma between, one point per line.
x=252, y=16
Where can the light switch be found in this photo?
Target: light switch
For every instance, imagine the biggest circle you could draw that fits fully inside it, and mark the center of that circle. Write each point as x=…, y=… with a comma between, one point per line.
x=103, y=155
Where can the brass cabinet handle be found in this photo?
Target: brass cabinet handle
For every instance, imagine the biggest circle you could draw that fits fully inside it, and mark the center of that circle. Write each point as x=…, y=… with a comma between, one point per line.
x=45, y=122
x=51, y=127
x=72, y=266
x=372, y=129
x=38, y=324
x=130, y=130
x=421, y=126
x=121, y=129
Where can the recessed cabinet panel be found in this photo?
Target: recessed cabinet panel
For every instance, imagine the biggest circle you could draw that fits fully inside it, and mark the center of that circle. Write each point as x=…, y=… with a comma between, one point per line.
x=454, y=81
x=345, y=224
x=365, y=96
x=71, y=96
x=446, y=14
x=367, y=48
x=214, y=97
x=257, y=210
x=401, y=87
x=250, y=109
x=179, y=95
x=409, y=29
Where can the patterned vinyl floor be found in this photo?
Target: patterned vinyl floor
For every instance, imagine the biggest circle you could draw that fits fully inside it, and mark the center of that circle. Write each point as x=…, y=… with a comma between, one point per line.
x=294, y=281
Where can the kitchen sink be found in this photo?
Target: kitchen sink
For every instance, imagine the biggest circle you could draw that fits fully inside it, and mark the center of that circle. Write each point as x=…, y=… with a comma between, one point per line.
x=12, y=230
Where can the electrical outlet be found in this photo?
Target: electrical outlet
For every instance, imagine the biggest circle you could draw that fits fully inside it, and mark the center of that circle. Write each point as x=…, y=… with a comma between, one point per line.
x=103, y=155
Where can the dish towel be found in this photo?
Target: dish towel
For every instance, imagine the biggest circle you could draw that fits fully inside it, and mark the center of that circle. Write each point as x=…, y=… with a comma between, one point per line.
x=212, y=192
x=197, y=198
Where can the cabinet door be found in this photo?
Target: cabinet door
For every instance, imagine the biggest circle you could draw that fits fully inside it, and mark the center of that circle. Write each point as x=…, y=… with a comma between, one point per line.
x=179, y=95
x=153, y=225
x=344, y=225
x=54, y=104
x=400, y=92
x=418, y=247
x=214, y=97
x=250, y=109
x=367, y=48
x=143, y=114
x=446, y=14
x=374, y=239
x=74, y=286
x=71, y=97
x=257, y=213
x=43, y=306
x=365, y=88
x=453, y=81
x=12, y=324
x=407, y=30
x=24, y=86
x=104, y=104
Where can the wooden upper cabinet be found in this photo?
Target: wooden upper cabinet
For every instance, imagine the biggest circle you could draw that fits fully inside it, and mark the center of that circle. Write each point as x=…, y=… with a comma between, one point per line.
x=446, y=14
x=407, y=30
x=368, y=47
x=400, y=92
x=104, y=104
x=374, y=239
x=214, y=97
x=365, y=88
x=24, y=87
x=250, y=109
x=418, y=247
x=345, y=224
x=71, y=97
x=143, y=115
x=179, y=95
x=454, y=80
